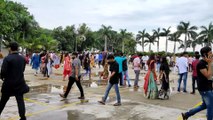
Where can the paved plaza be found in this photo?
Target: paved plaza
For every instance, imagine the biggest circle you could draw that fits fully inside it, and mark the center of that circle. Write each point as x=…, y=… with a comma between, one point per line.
x=44, y=103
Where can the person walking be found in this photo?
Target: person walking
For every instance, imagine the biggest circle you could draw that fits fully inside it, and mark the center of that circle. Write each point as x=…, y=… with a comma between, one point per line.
x=75, y=77
x=67, y=66
x=137, y=67
x=182, y=64
x=164, y=78
x=150, y=85
x=12, y=74
x=125, y=72
x=204, y=84
x=119, y=59
x=35, y=62
x=194, y=72
x=113, y=80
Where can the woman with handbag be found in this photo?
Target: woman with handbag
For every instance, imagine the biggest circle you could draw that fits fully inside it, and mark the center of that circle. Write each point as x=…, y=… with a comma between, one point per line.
x=150, y=85
x=164, y=78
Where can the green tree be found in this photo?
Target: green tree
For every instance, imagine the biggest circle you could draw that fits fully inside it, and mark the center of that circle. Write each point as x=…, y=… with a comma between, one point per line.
x=150, y=40
x=105, y=32
x=207, y=34
x=188, y=31
x=157, y=35
x=175, y=38
x=124, y=35
x=166, y=33
x=141, y=36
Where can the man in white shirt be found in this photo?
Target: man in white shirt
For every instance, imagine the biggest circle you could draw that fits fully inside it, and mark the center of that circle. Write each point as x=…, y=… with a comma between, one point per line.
x=182, y=65
x=136, y=67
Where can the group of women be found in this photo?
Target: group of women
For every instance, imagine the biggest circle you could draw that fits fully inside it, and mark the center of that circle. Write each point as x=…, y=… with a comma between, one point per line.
x=150, y=85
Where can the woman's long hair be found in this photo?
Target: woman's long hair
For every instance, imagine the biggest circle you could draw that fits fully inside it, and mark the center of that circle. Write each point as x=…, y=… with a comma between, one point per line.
x=165, y=64
x=151, y=57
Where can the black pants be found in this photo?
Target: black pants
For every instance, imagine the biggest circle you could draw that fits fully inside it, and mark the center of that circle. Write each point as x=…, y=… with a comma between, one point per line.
x=193, y=83
x=121, y=77
x=71, y=82
x=20, y=102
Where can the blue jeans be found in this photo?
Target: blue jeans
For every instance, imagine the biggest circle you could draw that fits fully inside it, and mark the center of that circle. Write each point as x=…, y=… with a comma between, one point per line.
x=116, y=91
x=137, y=73
x=182, y=76
x=158, y=67
x=127, y=76
x=207, y=98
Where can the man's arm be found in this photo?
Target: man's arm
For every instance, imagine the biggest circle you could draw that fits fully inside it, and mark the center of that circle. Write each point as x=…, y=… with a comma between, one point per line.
x=76, y=70
x=207, y=73
x=4, y=69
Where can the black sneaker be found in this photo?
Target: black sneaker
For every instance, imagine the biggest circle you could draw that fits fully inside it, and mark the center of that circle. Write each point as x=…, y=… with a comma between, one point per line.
x=102, y=102
x=117, y=104
x=184, y=116
x=61, y=95
x=81, y=97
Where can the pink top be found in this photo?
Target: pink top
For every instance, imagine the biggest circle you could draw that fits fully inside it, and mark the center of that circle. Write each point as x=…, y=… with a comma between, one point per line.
x=136, y=63
x=194, y=67
x=190, y=59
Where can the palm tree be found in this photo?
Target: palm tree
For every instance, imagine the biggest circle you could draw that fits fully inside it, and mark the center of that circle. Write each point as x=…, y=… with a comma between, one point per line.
x=157, y=35
x=175, y=38
x=124, y=35
x=150, y=40
x=141, y=35
x=187, y=30
x=106, y=33
x=166, y=33
x=207, y=34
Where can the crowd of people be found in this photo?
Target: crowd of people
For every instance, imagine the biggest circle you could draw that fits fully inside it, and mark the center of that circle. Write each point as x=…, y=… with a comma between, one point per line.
x=114, y=68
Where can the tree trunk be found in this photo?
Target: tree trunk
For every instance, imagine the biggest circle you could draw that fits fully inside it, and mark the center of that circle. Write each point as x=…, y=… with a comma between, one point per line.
x=194, y=49
x=166, y=44
x=174, y=47
x=122, y=46
x=158, y=45
x=105, y=45
x=185, y=45
x=142, y=44
x=150, y=47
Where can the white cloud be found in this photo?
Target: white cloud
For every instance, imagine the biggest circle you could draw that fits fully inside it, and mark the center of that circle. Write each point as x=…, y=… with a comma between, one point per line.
x=134, y=15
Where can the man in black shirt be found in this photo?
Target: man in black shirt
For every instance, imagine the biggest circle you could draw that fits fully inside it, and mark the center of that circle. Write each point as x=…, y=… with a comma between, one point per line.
x=204, y=83
x=113, y=80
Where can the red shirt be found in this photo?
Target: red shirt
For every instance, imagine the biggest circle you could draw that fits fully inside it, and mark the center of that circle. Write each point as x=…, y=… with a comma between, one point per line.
x=194, y=67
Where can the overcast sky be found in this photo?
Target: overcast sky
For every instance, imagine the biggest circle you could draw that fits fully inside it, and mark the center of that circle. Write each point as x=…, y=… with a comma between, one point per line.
x=133, y=15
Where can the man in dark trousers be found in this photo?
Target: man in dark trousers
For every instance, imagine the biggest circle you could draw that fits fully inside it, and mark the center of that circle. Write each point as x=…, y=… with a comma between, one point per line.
x=12, y=74
x=75, y=77
x=113, y=81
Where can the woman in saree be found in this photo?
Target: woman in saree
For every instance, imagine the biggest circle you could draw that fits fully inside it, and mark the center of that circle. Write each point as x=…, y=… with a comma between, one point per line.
x=150, y=85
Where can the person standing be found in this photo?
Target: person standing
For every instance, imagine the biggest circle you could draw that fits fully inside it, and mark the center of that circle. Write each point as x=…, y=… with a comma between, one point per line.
x=194, y=72
x=100, y=58
x=67, y=66
x=136, y=67
x=204, y=84
x=75, y=77
x=35, y=62
x=113, y=80
x=12, y=74
x=182, y=64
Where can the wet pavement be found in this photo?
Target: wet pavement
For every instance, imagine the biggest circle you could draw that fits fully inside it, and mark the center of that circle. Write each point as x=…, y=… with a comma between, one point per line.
x=43, y=101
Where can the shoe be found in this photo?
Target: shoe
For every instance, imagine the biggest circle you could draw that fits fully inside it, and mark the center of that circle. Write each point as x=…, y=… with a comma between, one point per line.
x=184, y=116
x=61, y=95
x=102, y=102
x=129, y=86
x=185, y=91
x=117, y=104
x=178, y=90
x=192, y=93
x=136, y=86
x=81, y=97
